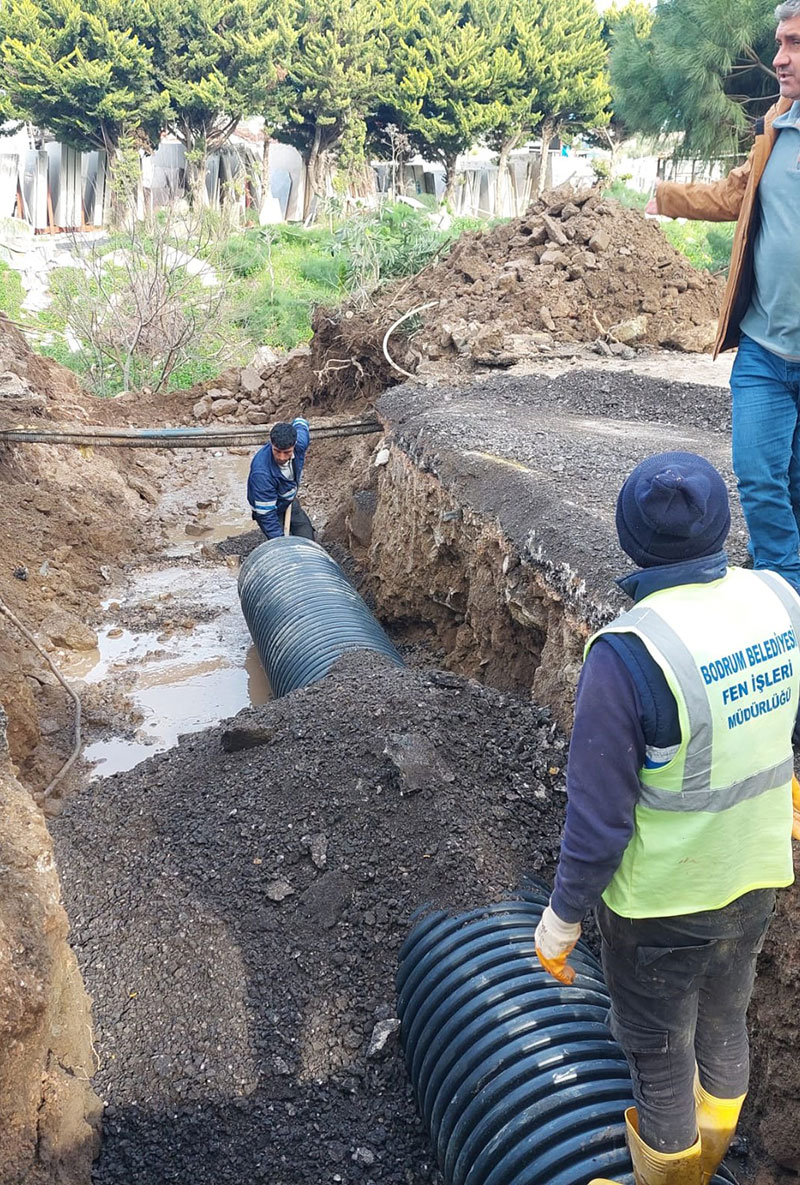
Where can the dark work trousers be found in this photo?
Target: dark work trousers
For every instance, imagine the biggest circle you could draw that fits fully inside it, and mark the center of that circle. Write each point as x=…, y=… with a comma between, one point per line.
x=300, y=523
x=679, y=991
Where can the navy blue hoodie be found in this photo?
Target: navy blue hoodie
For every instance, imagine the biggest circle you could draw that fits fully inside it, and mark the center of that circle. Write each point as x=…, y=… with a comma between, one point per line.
x=269, y=492
x=623, y=704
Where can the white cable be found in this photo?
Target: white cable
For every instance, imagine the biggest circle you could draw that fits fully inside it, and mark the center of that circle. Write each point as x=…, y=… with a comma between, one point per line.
x=429, y=305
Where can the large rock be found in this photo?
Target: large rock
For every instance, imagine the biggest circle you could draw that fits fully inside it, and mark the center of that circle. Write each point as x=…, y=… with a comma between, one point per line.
x=693, y=339
x=49, y=1114
x=68, y=632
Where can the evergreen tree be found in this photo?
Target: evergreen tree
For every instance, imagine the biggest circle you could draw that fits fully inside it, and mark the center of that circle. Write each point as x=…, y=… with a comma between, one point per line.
x=515, y=28
x=700, y=68
x=335, y=74
x=216, y=59
x=574, y=89
x=84, y=76
x=615, y=132
x=449, y=79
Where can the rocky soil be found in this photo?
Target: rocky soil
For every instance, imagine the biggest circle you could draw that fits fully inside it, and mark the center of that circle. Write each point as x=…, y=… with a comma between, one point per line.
x=49, y=1114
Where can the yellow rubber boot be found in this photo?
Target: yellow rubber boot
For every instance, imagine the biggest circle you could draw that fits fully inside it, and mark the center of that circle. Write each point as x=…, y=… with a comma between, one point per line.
x=716, y=1122
x=661, y=1168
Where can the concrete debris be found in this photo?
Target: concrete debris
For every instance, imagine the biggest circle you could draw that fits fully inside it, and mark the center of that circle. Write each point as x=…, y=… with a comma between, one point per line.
x=383, y=1030
x=317, y=846
x=279, y=890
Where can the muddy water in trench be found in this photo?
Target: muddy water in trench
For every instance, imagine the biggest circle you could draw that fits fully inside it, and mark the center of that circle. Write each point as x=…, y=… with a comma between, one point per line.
x=198, y=666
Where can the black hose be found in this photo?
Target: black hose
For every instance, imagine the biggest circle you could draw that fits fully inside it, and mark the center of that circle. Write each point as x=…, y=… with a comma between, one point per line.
x=303, y=613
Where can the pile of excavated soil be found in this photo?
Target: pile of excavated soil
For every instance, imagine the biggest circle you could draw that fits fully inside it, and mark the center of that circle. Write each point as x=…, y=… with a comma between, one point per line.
x=577, y=268
x=577, y=271
x=237, y=906
x=572, y=270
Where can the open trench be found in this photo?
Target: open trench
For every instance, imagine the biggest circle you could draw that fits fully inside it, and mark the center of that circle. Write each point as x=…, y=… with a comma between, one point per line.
x=237, y=900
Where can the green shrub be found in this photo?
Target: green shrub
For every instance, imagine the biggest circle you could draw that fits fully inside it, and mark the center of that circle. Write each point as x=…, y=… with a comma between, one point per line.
x=244, y=255
x=275, y=316
x=12, y=293
x=325, y=271
x=395, y=240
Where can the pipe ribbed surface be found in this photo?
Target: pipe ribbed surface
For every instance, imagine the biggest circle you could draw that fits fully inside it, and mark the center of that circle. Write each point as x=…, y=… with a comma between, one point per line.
x=303, y=613
x=517, y=1077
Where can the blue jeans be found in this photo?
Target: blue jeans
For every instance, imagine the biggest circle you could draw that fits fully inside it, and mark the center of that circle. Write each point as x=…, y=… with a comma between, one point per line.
x=679, y=991
x=766, y=455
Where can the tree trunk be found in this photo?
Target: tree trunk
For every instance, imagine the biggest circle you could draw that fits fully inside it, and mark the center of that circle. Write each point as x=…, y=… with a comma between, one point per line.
x=312, y=170
x=196, y=150
x=503, y=178
x=116, y=199
x=266, y=191
x=448, y=197
x=547, y=132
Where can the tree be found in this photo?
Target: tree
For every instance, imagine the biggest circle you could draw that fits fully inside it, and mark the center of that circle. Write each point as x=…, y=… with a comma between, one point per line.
x=449, y=76
x=335, y=74
x=701, y=69
x=612, y=134
x=82, y=75
x=516, y=28
x=573, y=92
x=216, y=59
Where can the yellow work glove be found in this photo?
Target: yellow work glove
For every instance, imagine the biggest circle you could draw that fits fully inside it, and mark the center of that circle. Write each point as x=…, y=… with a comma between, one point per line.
x=555, y=940
x=796, y=806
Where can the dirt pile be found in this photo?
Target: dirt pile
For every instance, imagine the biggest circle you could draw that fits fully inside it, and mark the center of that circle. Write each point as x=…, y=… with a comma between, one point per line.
x=238, y=903
x=577, y=272
x=575, y=269
x=28, y=380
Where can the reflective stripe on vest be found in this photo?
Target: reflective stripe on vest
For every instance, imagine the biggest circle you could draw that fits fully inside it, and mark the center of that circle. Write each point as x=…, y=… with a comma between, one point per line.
x=697, y=793
x=713, y=818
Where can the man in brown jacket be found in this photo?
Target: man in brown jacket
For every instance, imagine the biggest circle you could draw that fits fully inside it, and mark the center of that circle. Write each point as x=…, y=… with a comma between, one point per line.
x=761, y=309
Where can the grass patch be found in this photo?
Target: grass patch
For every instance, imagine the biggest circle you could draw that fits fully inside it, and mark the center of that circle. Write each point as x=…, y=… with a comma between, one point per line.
x=707, y=245
x=300, y=272
x=626, y=196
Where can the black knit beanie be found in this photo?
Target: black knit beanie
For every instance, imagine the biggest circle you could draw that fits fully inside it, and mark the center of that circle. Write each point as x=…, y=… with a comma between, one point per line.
x=673, y=507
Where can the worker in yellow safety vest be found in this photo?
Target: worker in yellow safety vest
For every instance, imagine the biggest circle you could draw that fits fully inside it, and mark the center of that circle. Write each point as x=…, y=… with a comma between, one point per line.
x=679, y=815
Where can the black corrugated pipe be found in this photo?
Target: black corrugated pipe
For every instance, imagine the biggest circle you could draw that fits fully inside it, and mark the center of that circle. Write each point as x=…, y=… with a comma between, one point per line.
x=303, y=612
x=516, y=1076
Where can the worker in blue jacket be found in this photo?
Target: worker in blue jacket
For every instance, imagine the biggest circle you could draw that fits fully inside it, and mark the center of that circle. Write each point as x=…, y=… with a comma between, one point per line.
x=274, y=481
x=679, y=815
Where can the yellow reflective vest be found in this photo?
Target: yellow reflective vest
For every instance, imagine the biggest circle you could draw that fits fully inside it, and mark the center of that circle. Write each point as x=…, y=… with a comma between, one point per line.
x=714, y=816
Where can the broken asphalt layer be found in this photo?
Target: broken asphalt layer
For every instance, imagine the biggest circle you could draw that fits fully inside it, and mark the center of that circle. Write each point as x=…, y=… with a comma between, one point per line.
x=546, y=458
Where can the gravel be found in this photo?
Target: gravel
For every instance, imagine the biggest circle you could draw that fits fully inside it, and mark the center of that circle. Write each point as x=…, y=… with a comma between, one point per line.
x=237, y=905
